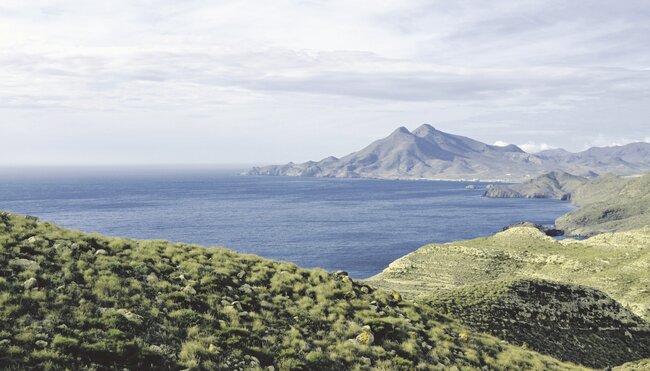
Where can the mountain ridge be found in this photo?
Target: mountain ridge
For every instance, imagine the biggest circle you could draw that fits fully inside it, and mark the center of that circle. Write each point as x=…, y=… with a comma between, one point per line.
x=428, y=153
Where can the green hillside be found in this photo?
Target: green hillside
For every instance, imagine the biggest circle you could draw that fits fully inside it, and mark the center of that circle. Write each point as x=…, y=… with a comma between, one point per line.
x=615, y=263
x=85, y=301
x=609, y=204
x=570, y=322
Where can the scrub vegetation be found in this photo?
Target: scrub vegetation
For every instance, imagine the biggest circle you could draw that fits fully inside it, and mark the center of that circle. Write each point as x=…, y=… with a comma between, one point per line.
x=70, y=300
x=570, y=322
x=608, y=204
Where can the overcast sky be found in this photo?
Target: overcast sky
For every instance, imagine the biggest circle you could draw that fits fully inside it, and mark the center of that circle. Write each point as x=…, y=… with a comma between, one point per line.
x=205, y=81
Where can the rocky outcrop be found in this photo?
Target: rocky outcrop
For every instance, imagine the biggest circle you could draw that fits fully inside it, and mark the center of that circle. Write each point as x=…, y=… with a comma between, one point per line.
x=546, y=230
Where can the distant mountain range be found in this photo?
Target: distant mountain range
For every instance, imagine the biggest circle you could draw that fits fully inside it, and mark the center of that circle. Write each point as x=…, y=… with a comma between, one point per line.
x=427, y=153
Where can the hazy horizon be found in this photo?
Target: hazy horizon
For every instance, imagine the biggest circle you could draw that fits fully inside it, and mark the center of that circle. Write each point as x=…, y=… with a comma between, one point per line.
x=204, y=82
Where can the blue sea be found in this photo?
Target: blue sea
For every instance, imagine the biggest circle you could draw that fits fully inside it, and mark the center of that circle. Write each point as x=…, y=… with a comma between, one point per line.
x=356, y=225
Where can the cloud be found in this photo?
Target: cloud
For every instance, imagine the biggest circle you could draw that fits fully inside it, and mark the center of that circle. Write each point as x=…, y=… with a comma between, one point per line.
x=530, y=147
x=601, y=140
x=533, y=147
x=320, y=69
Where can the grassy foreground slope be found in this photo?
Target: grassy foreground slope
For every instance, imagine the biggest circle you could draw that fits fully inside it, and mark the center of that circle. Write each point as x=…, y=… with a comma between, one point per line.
x=615, y=263
x=85, y=301
x=608, y=204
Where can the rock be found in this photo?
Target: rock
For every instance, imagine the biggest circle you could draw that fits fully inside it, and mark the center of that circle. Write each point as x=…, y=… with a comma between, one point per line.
x=156, y=349
x=189, y=290
x=101, y=252
x=130, y=316
x=552, y=232
x=28, y=284
x=246, y=288
x=341, y=273
x=365, y=337
x=241, y=274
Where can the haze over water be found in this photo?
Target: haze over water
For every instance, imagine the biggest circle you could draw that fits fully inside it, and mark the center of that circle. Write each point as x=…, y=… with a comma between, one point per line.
x=356, y=225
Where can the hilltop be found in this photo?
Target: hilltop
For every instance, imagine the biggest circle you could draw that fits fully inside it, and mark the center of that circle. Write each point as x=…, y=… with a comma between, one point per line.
x=582, y=301
x=428, y=153
x=86, y=301
x=614, y=263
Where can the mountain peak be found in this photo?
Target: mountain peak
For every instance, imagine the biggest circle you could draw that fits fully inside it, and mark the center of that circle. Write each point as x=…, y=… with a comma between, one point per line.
x=402, y=130
x=424, y=129
x=510, y=148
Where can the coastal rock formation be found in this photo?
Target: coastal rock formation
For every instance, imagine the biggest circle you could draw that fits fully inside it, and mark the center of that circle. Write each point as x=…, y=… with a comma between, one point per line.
x=555, y=184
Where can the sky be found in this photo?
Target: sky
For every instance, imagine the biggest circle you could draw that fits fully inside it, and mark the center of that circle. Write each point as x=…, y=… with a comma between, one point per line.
x=259, y=82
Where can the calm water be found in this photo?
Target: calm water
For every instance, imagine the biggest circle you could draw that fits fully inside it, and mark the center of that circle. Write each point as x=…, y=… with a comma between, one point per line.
x=355, y=225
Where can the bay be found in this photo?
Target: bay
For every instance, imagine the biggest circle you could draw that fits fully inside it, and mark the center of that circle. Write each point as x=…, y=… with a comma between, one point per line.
x=356, y=225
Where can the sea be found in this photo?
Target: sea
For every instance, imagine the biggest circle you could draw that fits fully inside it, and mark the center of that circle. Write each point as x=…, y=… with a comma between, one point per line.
x=355, y=225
